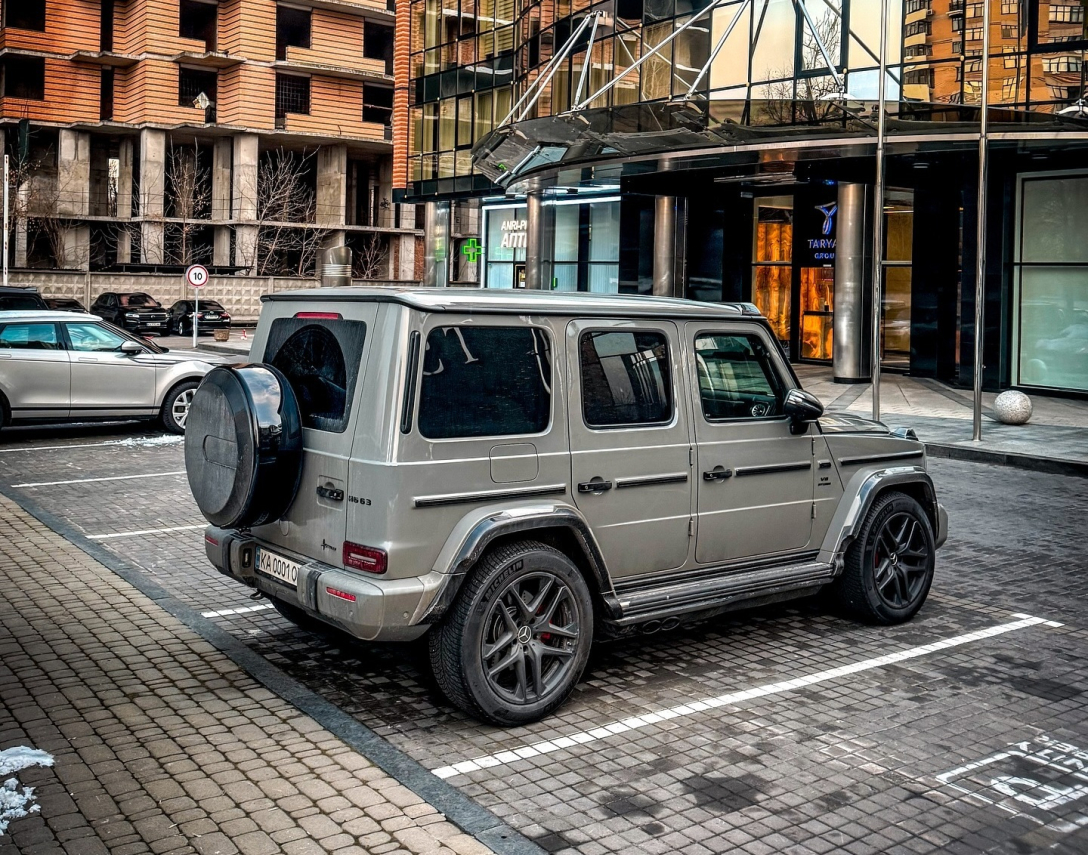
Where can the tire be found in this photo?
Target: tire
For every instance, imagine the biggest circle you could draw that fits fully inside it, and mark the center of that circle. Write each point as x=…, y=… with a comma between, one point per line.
x=544, y=659
x=889, y=566
x=243, y=445
x=176, y=405
x=5, y=412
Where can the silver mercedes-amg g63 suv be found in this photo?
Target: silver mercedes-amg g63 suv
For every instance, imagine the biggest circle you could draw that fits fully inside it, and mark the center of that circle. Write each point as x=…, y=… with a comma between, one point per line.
x=514, y=473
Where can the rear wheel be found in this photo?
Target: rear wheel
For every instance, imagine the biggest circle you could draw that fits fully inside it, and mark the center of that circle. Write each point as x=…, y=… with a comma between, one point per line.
x=516, y=642
x=175, y=407
x=889, y=566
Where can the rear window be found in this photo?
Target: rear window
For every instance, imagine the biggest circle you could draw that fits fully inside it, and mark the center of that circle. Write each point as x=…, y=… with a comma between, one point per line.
x=19, y=302
x=320, y=358
x=485, y=381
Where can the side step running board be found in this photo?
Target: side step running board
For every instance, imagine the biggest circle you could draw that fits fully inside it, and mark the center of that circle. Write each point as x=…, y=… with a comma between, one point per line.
x=703, y=594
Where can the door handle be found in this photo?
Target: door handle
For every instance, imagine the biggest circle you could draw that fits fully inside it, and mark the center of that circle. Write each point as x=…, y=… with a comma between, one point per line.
x=596, y=485
x=718, y=473
x=331, y=493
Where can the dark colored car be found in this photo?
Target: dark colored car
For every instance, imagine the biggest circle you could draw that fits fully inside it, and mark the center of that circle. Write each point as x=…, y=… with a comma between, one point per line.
x=134, y=311
x=210, y=316
x=64, y=304
x=14, y=299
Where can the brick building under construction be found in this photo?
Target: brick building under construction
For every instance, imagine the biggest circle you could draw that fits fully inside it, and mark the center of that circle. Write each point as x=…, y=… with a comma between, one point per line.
x=242, y=134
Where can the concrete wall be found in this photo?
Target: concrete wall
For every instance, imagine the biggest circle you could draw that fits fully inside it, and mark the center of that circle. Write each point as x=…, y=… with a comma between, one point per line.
x=240, y=295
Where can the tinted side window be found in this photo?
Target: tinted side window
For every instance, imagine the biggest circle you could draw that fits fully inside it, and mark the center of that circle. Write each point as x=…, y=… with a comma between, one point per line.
x=736, y=378
x=17, y=302
x=29, y=337
x=485, y=381
x=321, y=359
x=626, y=379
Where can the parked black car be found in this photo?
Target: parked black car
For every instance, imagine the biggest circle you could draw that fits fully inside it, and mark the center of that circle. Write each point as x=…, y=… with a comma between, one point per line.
x=136, y=312
x=64, y=304
x=13, y=298
x=211, y=316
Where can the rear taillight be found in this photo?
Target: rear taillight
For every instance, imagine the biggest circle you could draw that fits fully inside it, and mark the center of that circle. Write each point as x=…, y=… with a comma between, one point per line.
x=320, y=316
x=364, y=558
x=343, y=595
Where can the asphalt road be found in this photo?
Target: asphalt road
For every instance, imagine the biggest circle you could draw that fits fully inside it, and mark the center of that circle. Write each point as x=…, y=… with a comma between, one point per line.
x=787, y=729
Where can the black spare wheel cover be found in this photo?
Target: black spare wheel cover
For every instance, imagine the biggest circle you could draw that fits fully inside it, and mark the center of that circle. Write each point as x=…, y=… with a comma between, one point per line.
x=243, y=445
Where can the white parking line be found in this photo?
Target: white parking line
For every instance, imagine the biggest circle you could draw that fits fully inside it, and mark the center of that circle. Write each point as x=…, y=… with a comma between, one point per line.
x=636, y=722
x=89, y=480
x=145, y=531
x=142, y=441
x=241, y=611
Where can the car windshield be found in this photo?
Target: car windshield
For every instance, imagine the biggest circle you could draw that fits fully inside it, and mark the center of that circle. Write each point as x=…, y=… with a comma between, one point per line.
x=138, y=300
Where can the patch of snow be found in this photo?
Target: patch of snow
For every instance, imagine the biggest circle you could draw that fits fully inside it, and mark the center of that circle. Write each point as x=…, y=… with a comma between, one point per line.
x=17, y=802
x=148, y=441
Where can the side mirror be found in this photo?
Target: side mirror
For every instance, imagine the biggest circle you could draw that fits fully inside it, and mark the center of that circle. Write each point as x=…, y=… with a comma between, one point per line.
x=131, y=348
x=803, y=408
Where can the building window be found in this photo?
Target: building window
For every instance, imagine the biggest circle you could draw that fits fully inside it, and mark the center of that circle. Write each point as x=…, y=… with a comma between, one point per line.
x=377, y=104
x=957, y=25
x=919, y=77
x=198, y=20
x=105, y=110
x=23, y=77
x=1061, y=64
x=917, y=6
x=193, y=82
x=292, y=94
x=1066, y=14
x=1010, y=7
x=292, y=30
x=974, y=34
x=919, y=28
x=378, y=44
x=919, y=50
x=24, y=15
x=974, y=10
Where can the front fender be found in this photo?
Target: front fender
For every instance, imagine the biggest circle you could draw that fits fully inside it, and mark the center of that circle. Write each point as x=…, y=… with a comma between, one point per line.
x=864, y=487
x=480, y=528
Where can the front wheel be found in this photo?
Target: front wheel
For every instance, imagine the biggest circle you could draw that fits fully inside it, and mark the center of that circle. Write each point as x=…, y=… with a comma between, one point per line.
x=889, y=566
x=175, y=409
x=517, y=640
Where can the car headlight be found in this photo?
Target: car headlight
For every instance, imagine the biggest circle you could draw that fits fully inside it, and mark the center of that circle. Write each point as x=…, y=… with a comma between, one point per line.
x=132, y=316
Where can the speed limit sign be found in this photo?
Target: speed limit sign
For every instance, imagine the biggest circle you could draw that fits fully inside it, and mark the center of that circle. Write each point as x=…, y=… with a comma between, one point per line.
x=196, y=275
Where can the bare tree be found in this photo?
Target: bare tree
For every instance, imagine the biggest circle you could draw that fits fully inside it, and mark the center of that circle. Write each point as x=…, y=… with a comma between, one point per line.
x=188, y=200
x=810, y=101
x=288, y=240
x=369, y=261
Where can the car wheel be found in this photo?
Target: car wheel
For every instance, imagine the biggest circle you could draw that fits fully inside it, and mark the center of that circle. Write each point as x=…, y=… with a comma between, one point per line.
x=175, y=407
x=243, y=445
x=5, y=412
x=889, y=566
x=516, y=641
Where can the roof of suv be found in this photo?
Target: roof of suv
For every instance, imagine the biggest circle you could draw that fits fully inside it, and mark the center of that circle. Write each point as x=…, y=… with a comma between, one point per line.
x=11, y=315
x=520, y=301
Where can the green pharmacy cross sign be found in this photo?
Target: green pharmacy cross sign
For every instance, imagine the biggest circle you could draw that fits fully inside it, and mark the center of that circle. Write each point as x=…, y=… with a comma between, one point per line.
x=472, y=250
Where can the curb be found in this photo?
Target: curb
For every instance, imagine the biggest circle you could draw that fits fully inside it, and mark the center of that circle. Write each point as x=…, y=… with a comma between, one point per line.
x=215, y=348
x=1049, y=465
x=470, y=817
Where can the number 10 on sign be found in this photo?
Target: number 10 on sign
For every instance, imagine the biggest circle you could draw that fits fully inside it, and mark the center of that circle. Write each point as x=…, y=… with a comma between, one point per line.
x=196, y=275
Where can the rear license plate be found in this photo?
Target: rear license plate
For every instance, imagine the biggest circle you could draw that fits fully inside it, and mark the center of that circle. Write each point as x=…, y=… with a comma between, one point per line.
x=282, y=569
x=154, y=324
x=211, y=316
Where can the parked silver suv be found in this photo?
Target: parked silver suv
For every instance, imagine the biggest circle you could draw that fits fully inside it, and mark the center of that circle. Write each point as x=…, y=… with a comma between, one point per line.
x=515, y=473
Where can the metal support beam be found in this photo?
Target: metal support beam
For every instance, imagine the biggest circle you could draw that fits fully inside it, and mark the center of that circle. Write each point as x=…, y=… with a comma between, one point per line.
x=799, y=5
x=718, y=47
x=549, y=71
x=878, y=210
x=588, y=61
x=980, y=248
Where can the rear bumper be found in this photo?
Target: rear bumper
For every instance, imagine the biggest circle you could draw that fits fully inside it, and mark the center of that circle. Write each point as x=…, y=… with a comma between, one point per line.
x=382, y=609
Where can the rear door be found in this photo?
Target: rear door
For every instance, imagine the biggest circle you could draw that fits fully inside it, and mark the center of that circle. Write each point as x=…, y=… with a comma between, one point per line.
x=323, y=353
x=630, y=442
x=34, y=371
x=754, y=478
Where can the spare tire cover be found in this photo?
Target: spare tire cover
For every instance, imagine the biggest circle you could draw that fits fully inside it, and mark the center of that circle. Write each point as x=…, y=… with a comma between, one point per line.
x=243, y=445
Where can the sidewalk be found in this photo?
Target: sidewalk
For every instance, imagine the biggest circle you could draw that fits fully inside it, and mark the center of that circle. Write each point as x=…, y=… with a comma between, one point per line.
x=160, y=743
x=1054, y=440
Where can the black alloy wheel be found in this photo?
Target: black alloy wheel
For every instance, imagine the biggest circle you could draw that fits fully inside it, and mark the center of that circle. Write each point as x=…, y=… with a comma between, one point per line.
x=515, y=643
x=889, y=567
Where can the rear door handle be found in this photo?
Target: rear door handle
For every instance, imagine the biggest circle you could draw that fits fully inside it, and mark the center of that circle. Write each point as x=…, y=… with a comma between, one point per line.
x=718, y=473
x=331, y=493
x=597, y=485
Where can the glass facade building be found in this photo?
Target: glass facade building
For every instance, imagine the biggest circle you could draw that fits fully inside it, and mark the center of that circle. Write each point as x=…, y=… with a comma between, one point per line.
x=727, y=151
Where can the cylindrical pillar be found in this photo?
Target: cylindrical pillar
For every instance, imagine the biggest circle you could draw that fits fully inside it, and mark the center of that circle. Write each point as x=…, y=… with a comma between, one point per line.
x=849, y=353
x=436, y=238
x=539, y=239
x=665, y=246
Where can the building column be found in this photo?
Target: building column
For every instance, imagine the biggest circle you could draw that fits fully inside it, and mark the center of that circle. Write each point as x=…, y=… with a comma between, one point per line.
x=221, y=183
x=152, y=188
x=436, y=237
x=386, y=208
x=669, y=245
x=75, y=252
x=73, y=174
x=539, y=242
x=849, y=354
x=124, y=199
x=332, y=185
x=244, y=200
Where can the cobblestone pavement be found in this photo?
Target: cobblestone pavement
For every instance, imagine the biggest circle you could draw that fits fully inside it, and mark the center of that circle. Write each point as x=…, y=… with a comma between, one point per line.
x=162, y=744
x=786, y=729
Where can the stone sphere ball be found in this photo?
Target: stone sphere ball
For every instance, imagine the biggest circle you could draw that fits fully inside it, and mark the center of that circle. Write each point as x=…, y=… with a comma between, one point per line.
x=1012, y=408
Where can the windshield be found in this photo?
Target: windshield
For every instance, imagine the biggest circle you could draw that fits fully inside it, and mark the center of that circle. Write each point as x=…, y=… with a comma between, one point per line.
x=138, y=300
